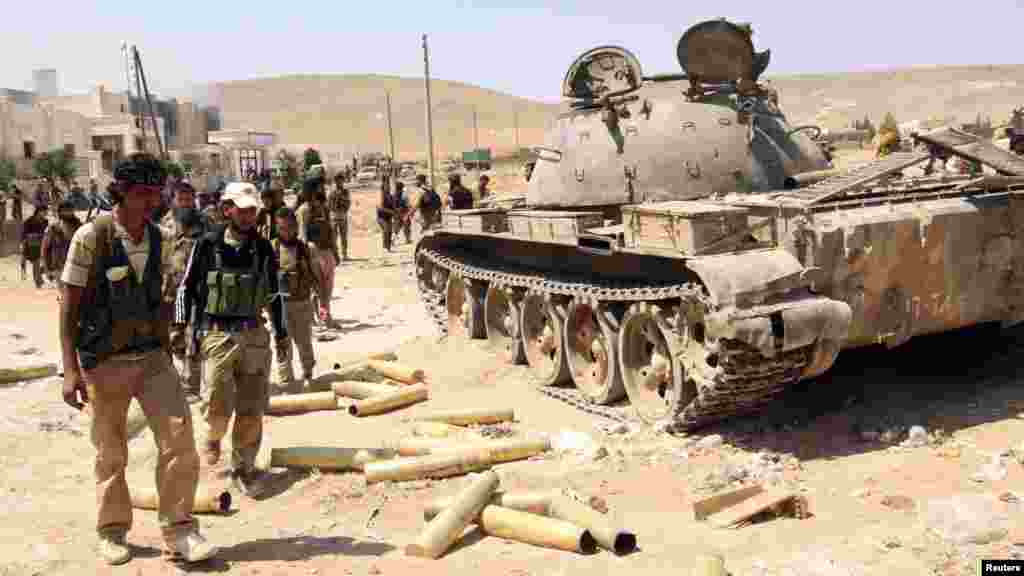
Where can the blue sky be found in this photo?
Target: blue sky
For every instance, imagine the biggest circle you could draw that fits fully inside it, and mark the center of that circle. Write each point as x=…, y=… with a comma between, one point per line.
x=521, y=48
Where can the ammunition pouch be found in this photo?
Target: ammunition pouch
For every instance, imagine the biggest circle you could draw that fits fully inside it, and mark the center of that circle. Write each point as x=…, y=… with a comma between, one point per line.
x=235, y=293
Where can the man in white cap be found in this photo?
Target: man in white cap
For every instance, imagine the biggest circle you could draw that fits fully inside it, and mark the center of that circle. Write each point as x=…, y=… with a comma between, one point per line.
x=232, y=276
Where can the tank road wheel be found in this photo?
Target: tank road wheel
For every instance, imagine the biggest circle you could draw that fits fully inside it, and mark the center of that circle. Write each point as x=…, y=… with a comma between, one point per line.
x=542, y=320
x=465, y=307
x=591, y=347
x=653, y=380
x=501, y=319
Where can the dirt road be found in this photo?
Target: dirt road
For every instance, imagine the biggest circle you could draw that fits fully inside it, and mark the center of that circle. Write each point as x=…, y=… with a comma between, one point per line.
x=876, y=497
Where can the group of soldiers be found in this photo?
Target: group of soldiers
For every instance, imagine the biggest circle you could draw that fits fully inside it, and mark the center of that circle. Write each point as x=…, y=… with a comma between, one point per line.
x=198, y=289
x=395, y=212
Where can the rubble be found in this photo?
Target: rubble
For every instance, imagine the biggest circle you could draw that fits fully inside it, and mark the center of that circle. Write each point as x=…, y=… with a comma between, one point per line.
x=580, y=444
x=917, y=437
x=738, y=508
x=965, y=519
x=710, y=442
x=994, y=470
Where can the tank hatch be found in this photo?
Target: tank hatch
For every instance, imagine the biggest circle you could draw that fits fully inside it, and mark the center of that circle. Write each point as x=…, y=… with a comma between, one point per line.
x=601, y=71
x=719, y=51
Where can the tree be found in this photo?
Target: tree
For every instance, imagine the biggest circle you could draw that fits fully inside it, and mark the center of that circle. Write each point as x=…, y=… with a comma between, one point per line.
x=288, y=164
x=8, y=172
x=173, y=169
x=310, y=158
x=56, y=165
x=889, y=124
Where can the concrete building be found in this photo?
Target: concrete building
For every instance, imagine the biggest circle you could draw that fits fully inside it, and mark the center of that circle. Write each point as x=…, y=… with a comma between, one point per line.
x=45, y=83
x=101, y=127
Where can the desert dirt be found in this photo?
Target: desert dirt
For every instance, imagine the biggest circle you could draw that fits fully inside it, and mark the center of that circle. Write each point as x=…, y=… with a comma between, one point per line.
x=878, y=501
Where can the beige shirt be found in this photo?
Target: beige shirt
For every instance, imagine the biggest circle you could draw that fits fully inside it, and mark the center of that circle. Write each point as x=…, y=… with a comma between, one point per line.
x=82, y=254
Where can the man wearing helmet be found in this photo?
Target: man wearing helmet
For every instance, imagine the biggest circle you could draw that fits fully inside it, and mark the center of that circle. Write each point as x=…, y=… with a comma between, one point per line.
x=114, y=338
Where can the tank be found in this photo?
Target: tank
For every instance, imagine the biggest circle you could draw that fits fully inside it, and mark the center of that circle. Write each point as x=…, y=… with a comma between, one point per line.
x=684, y=254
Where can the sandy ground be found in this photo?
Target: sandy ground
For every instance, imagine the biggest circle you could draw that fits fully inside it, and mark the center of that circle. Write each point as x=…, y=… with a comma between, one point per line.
x=839, y=441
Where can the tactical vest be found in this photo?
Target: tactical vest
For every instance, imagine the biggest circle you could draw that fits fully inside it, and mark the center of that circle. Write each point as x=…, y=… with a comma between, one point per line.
x=295, y=269
x=235, y=292
x=318, y=227
x=119, y=314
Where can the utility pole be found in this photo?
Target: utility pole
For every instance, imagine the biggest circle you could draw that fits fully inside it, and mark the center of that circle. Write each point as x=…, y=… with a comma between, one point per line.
x=430, y=126
x=391, y=134
x=515, y=125
x=476, y=136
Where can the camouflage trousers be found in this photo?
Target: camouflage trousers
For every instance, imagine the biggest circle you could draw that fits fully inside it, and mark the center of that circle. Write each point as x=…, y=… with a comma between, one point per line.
x=299, y=315
x=236, y=367
x=152, y=381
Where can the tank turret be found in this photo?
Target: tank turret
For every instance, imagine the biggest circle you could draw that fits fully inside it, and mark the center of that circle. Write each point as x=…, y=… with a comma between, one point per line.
x=622, y=137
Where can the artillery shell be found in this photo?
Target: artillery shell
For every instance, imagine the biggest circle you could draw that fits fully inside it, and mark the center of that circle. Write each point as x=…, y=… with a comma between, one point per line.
x=471, y=416
x=401, y=397
x=295, y=403
x=447, y=526
x=207, y=500
x=328, y=458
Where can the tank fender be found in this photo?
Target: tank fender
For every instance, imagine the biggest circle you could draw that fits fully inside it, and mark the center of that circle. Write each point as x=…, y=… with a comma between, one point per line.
x=815, y=321
x=732, y=279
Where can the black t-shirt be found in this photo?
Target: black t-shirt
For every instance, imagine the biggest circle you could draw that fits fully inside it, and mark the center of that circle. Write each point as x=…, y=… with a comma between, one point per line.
x=461, y=198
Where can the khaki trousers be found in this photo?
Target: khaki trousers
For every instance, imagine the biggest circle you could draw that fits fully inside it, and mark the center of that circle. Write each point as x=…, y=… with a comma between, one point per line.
x=237, y=366
x=341, y=230
x=153, y=382
x=324, y=266
x=300, y=332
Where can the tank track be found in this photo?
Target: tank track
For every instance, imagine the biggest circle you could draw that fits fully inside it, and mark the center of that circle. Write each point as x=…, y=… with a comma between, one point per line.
x=744, y=383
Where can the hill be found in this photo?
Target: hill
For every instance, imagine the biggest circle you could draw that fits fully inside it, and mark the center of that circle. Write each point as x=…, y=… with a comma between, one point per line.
x=344, y=114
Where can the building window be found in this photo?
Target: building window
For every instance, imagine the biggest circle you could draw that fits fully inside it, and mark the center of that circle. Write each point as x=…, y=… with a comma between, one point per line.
x=69, y=150
x=30, y=149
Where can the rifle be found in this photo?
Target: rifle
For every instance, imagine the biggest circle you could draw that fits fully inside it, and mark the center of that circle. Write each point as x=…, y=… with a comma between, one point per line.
x=193, y=341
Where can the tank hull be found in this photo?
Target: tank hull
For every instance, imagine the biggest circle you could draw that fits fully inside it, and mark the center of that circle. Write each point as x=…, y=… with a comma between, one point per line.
x=737, y=321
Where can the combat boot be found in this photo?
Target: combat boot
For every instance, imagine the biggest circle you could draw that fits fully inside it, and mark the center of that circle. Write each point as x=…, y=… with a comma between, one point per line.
x=191, y=547
x=251, y=482
x=113, y=549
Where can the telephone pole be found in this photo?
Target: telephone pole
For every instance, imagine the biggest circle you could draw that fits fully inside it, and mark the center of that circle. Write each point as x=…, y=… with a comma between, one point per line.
x=515, y=125
x=430, y=126
x=476, y=137
x=391, y=134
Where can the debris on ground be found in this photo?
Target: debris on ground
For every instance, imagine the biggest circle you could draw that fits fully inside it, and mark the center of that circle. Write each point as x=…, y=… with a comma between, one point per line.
x=965, y=519
x=456, y=460
x=302, y=403
x=561, y=519
x=401, y=397
x=738, y=508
